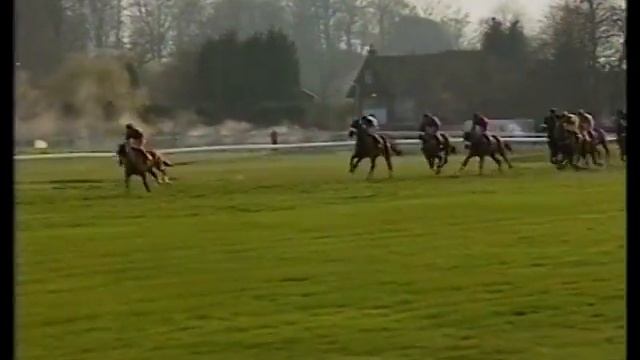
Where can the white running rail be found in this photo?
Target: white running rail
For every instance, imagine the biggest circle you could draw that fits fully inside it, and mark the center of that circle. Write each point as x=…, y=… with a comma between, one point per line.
x=249, y=147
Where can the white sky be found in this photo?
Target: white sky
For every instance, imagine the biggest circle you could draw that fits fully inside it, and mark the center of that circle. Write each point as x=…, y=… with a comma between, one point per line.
x=478, y=9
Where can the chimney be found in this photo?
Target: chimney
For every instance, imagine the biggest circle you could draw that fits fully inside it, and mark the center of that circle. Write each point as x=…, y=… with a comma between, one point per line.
x=372, y=51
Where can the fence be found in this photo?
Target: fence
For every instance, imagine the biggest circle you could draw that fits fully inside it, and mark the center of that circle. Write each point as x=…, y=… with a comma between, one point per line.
x=531, y=140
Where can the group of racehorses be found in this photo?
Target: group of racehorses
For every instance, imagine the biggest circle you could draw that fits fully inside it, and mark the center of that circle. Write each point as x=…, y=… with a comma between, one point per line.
x=565, y=147
x=570, y=147
x=436, y=151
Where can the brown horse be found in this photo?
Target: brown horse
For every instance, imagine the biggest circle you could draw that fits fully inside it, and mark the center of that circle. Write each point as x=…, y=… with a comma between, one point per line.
x=434, y=151
x=597, y=139
x=367, y=147
x=136, y=162
x=480, y=147
x=569, y=147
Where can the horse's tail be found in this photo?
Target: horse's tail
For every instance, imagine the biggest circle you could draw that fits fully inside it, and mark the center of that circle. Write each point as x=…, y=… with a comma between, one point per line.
x=601, y=134
x=167, y=163
x=503, y=144
x=391, y=146
x=396, y=150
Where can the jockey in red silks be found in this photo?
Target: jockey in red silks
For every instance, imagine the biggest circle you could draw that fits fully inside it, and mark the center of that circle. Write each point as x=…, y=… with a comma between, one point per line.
x=135, y=138
x=482, y=123
x=431, y=125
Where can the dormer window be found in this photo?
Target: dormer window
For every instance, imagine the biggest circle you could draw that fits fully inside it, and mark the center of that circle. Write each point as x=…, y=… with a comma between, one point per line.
x=368, y=77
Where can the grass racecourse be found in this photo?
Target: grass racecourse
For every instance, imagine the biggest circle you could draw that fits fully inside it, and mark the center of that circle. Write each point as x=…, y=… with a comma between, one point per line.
x=283, y=256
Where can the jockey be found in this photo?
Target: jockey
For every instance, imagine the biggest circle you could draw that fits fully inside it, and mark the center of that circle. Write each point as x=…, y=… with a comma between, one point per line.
x=431, y=125
x=570, y=122
x=586, y=124
x=370, y=123
x=482, y=123
x=135, y=138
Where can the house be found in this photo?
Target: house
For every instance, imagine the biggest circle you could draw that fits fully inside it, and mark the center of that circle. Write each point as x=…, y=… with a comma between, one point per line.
x=398, y=89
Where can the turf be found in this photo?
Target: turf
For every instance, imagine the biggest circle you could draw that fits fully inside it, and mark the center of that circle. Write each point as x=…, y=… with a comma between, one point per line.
x=288, y=257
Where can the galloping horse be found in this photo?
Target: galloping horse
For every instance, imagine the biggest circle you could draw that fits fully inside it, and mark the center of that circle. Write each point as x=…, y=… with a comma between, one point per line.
x=135, y=162
x=480, y=147
x=569, y=146
x=549, y=127
x=367, y=147
x=586, y=147
x=432, y=150
x=591, y=147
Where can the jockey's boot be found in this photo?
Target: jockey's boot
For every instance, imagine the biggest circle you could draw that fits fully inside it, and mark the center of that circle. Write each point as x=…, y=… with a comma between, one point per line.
x=378, y=138
x=439, y=140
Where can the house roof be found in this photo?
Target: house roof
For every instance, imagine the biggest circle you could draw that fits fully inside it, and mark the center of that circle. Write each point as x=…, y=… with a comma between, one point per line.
x=411, y=74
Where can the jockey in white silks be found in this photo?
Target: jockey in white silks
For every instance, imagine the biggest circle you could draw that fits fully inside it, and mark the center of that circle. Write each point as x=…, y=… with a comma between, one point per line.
x=371, y=125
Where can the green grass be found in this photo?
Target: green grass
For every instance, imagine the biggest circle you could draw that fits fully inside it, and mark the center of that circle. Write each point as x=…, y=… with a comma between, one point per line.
x=289, y=257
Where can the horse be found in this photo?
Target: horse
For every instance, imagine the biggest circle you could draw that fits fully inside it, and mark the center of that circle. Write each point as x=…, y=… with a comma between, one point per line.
x=434, y=151
x=599, y=138
x=136, y=162
x=569, y=147
x=549, y=127
x=480, y=147
x=367, y=147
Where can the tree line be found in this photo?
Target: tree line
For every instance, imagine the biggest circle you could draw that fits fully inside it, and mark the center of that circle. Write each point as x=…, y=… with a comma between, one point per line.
x=205, y=46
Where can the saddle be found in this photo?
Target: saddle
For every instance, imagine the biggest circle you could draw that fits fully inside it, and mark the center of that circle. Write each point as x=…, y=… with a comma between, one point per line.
x=440, y=137
x=149, y=154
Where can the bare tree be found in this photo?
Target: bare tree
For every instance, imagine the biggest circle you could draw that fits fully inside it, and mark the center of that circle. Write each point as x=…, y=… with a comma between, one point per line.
x=454, y=18
x=350, y=15
x=151, y=23
x=189, y=18
x=387, y=12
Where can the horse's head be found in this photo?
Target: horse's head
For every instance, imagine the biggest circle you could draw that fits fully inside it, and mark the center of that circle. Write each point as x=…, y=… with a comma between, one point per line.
x=122, y=150
x=353, y=128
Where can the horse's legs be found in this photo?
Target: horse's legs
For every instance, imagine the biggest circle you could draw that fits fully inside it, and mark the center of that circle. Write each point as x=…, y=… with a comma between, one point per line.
x=154, y=175
x=165, y=177
x=431, y=162
x=503, y=154
x=607, y=153
x=481, y=164
x=354, y=165
x=127, y=180
x=445, y=158
x=145, y=182
x=497, y=161
x=372, y=167
x=387, y=159
x=595, y=155
x=442, y=161
x=465, y=162
x=574, y=160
